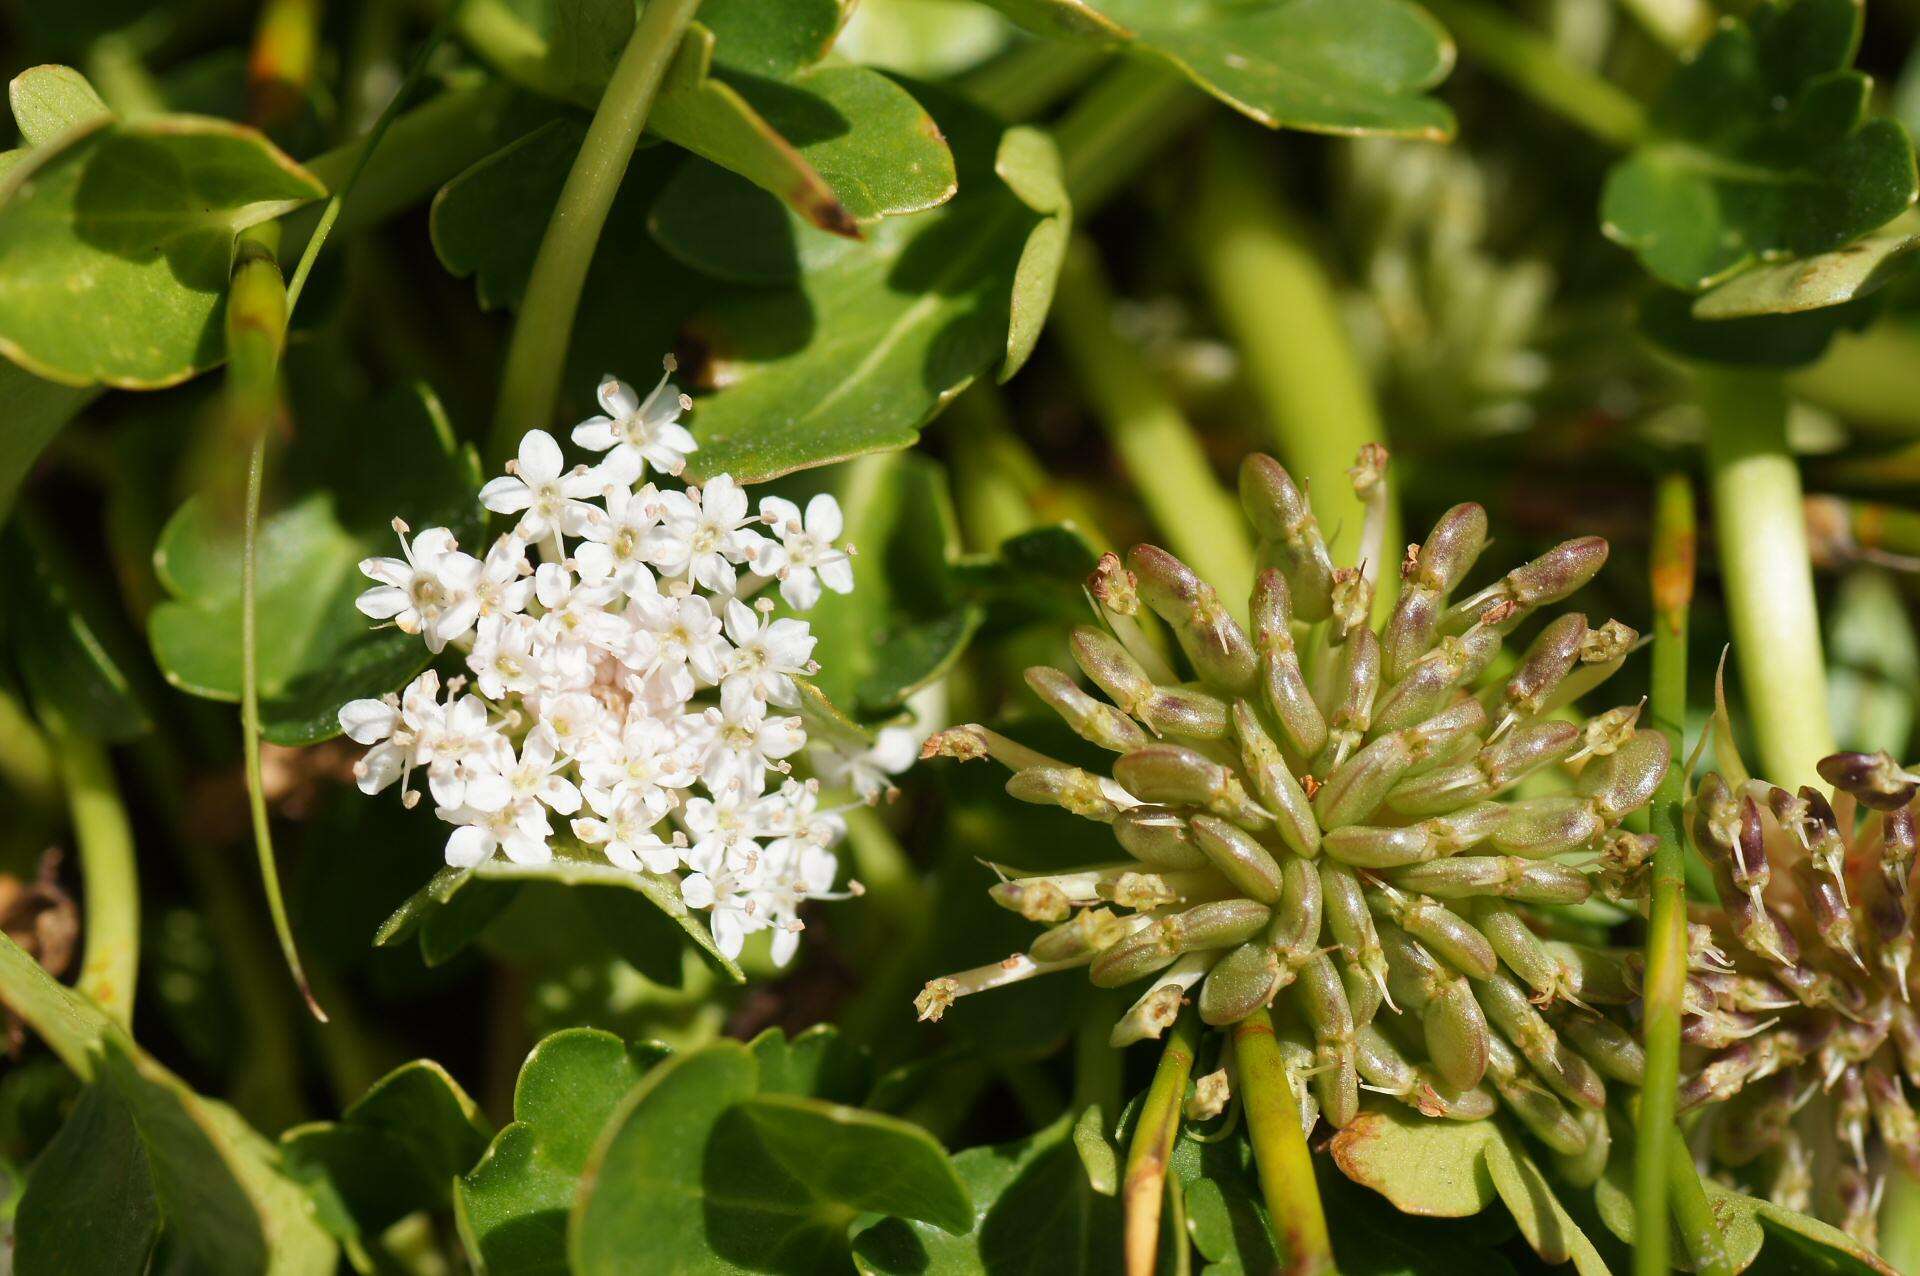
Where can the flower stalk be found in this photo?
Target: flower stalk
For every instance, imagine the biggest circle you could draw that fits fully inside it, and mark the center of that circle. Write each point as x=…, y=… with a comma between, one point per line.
x=1280, y=1148
x=110, y=961
x=1760, y=528
x=1144, y=1189
x=1272, y=295
x=537, y=354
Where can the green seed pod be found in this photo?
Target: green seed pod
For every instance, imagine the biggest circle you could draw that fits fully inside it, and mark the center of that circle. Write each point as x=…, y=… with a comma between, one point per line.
x=1289, y=536
x=1449, y=552
x=1584, y=1169
x=1091, y=930
x=1274, y=784
x=1110, y=666
x=1282, y=685
x=1625, y=779
x=1135, y=957
x=1547, y=579
x=1219, y=924
x=1174, y=775
x=1183, y=712
x=1218, y=648
x=1092, y=720
x=1606, y=1045
x=1523, y=952
x=1364, y=993
x=1549, y=658
x=1456, y=1034
x=1466, y=876
x=1545, y=1117
x=1507, y=1007
x=1239, y=984
x=1240, y=859
x=1068, y=787
x=1296, y=924
x=1346, y=699
x=1159, y=836
x=1381, y=1062
x=1368, y=846
x=1355, y=790
x=1526, y=749
x=1409, y=632
x=1437, y=1097
x=1446, y=934
x=1336, y=1082
x=1323, y=1000
x=1547, y=826
x=1425, y=687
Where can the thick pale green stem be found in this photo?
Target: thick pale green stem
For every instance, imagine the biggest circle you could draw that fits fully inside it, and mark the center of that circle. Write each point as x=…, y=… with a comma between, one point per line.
x=110, y=959
x=1272, y=1113
x=1761, y=537
x=1272, y=295
x=1144, y=1189
x=1001, y=486
x=1528, y=62
x=544, y=328
x=27, y=763
x=1693, y=1211
x=1159, y=449
x=1030, y=77
x=1117, y=126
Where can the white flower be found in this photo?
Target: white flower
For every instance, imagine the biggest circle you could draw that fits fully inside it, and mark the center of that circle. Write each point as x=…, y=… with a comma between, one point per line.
x=575, y=610
x=644, y=762
x=639, y=430
x=723, y=829
x=768, y=653
x=431, y=591
x=628, y=839
x=617, y=545
x=804, y=558
x=868, y=772
x=738, y=741
x=507, y=656
x=506, y=582
x=732, y=911
x=703, y=533
x=520, y=828
x=683, y=633
x=536, y=775
x=378, y=723
x=458, y=744
x=554, y=502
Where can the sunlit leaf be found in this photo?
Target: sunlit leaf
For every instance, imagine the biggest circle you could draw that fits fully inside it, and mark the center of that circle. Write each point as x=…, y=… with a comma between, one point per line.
x=1811, y=283
x=49, y=100
x=1423, y=1166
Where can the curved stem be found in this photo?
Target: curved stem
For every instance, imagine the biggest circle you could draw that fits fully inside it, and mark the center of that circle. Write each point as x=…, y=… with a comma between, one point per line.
x=1144, y=1189
x=1117, y=125
x=538, y=352
x=1272, y=295
x=1159, y=449
x=1030, y=77
x=1760, y=530
x=1528, y=62
x=110, y=961
x=1272, y=1112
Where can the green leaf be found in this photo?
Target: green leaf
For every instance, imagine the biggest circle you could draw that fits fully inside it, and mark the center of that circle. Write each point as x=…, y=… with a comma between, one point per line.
x=1098, y=1156
x=65, y=643
x=751, y=38
x=1761, y=148
x=1029, y=163
x=1543, y=1220
x=1032, y=1211
x=91, y=1193
x=114, y=245
x=395, y=1150
x=487, y=222
x=49, y=100
x=215, y=1183
x=1425, y=1167
x=720, y=224
x=1326, y=66
x=1760, y=341
x=316, y=652
x=700, y=1165
x=35, y=410
x=1811, y=283
x=451, y=910
x=865, y=351
x=817, y=1064
x=512, y=1207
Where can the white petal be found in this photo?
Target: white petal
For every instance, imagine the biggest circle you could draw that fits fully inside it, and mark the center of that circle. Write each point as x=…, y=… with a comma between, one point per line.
x=383, y=602
x=823, y=517
x=368, y=721
x=836, y=573
x=801, y=588
x=469, y=845
x=617, y=397
x=388, y=571
x=506, y=495
x=540, y=458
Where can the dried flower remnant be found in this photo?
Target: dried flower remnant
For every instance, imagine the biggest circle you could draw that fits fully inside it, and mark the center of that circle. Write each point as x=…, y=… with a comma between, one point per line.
x=620, y=674
x=1318, y=818
x=1799, y=1009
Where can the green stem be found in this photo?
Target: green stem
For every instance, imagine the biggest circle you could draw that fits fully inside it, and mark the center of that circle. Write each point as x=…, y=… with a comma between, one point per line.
x=537, y=354
x=1692, y=1210
x=1002, y=487
x=1030, y=77
x=1900, y=1220
x=280, y=68
x=256, y=334
x=1760, y=530
x=1119, y=124
x=27, y=762
x=110, y=961
x=114, y=67
x=1871, y=378
x=1675, y=550
x=1267, y=285
x=1160, y=450
x=1144, y=1189
x=1096, y=1065
x=1679, y=25
x=1530, y=63
x=1272, y=1113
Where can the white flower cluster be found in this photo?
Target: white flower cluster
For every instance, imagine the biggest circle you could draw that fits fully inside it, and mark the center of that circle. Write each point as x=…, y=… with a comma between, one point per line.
x=629, y=683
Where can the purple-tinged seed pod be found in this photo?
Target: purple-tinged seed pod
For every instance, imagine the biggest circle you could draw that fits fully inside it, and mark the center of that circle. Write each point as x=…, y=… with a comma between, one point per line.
x=1748, y=864
x=1219, y=649
x=1547, y=579
x=1851, y=1111
x=1219, y=924
x=1184, y=712
x=1447, y=935
x=1451, y=548
x=1239, y=984
x=1819, y=811
x=1571, y=1076
x=1545, y=826
x=1720, y=1078
x=1109, y=666
x=1283, y=687
x=1356, y=788
x=1290, y=537
x=1138, y=955
x=1716, y=1029
x=1903, y=1026
x=1756, y=1121
x=1409, y=631
x=1755, y=926
x=1440, y=790
x=1606, y=1045
x=1827, y=905
x=1295, y=932
x=1092, y=720
x=1596, y=976
x=1091, y=930
x=1273, y=783
x=1625, y=780
x=1434, y=738
x=1429, y=682
x=1249, y=866
x=1894, y=1117
x=1467, y=827
x=1526, y=749
x=1874, y=779
x=1067, y=787
x=1159, y=836
x=1898, y=839
x=1858, y=1191
x=1174, y=775
x=1548, y=659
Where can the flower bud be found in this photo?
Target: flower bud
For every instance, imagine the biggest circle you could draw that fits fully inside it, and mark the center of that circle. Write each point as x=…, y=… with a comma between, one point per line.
x=1219, y=649
x=1241, y=860
x=1089, y=931
x=1874, y=779
x=1239, y=984
x=1092, y=720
